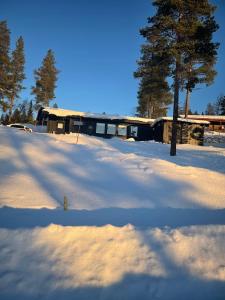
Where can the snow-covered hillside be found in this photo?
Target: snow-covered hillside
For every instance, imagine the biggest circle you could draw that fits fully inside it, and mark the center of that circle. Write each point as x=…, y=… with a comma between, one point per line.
x=140, y=224
x=38, y=170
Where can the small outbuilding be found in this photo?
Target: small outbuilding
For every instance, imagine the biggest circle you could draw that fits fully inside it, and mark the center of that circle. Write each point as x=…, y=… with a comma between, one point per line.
x=188, y=131
x=216, y=123
x=63, y=121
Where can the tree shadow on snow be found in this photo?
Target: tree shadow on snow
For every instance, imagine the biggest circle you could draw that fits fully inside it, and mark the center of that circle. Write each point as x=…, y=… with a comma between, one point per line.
x=197, y=157
x=101, y=181
x=14, y=218
x=132, y=287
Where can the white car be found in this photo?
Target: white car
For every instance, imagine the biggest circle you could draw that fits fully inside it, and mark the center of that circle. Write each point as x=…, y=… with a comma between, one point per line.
x=20, y=127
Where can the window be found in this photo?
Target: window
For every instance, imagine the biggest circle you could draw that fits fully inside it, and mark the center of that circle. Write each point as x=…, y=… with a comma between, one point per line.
x=100, y=128
x=60, y=125
x=111, y=129
x=122, y=130
x=78, y=123
x=134, y=131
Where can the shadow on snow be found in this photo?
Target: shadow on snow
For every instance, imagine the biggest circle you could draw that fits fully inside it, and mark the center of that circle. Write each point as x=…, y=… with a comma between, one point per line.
x=13, y=218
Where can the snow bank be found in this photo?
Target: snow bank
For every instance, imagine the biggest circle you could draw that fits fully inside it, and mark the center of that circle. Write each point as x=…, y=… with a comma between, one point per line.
x=112, y=263
x=164, y=253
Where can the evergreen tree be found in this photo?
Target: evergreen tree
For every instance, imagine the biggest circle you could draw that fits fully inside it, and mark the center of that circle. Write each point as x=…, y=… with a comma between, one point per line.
x=4, y=62
x=6, y=119
x=154, y=93
x=2, y=120
x=183, y=29
x=210, y=109
x=203, y=72
x=16, y=75
x=23, y=108
x=45, y=77
x=16, y=116
x=220, y=105
x=30, y=111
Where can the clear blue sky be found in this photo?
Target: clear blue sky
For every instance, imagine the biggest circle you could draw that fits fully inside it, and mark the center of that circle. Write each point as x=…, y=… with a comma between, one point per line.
x=96, y=45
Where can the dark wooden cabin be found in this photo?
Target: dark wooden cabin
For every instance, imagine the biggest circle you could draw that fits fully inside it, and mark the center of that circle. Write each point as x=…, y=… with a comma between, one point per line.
x=188, y=131
x=62, y=121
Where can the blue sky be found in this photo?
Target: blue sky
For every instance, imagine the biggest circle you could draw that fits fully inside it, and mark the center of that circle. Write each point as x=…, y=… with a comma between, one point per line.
x=96, y=45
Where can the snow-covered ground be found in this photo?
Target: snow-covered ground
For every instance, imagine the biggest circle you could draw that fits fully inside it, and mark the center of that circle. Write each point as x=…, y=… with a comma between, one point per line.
x=140, y=224
x=214, y=138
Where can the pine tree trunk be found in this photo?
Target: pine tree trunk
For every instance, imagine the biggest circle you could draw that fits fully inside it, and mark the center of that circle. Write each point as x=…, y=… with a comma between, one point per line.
x=149, y=108
x=173, y=146
x=11, y=108
x=187, y=103
x=148, y=103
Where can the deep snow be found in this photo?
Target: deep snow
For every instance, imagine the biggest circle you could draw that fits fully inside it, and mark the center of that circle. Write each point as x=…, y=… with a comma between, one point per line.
x=38, y=170
x=140, y=224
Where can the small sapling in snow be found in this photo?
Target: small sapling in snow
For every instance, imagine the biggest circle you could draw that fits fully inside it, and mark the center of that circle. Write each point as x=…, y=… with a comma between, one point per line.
x=65, y=203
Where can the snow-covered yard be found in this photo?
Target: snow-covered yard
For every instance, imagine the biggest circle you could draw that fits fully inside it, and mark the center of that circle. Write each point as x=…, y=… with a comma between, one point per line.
x=140, y=224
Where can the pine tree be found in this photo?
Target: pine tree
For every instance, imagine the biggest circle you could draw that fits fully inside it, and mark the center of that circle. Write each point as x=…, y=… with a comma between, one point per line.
x=210, y=109
x=220, y=105
x=154, y=93
x=222, y=111
x=45, y=77
x=6, y=119
x=23, y=108
x=4, y=62
x=180, y=28
x=30, y=111
x=16, y=75
x=2, y=120
x=201, y=61
x=16, y=116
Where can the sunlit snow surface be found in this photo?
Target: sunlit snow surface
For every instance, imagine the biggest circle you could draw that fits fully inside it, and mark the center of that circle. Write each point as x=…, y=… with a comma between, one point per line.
x=140, y=225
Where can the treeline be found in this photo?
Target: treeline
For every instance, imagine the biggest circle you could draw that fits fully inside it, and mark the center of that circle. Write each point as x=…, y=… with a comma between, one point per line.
x=12, y=75
x=217, y=107
x=23, y=113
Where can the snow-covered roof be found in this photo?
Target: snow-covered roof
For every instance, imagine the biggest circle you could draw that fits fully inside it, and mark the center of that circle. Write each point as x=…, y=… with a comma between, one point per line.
x=181, y=120
x=65, y=112
x=206, y=117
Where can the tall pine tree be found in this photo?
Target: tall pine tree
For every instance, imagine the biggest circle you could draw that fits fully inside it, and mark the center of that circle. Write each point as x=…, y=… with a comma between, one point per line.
x=154, y=93
x=45, y=81
x=4, y=62
x=16, y=74
x=200, y=63
x=180, y=27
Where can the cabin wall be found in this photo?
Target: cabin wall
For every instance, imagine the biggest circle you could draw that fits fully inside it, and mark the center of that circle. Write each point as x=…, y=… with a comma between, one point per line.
x=158, y=132
x=196, y=134
x=187, y=133
x=99, y=127
x=56, y=126
x=145, y=133
x=109, y=128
